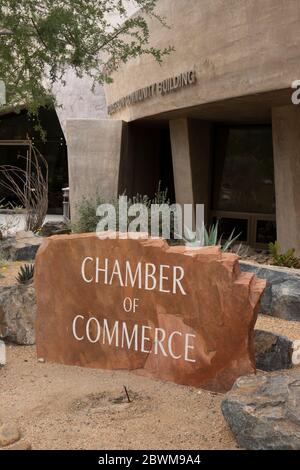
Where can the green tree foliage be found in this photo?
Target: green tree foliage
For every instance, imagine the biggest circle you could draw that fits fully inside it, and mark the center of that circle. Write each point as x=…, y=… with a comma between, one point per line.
x=48, y=37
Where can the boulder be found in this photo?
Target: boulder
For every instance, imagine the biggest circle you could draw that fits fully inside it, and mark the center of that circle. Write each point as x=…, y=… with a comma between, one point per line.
x=19, y=445
x=22, y=247
x=272, y=351
x=54, y=228
x=17, y=314
x=194, y=310
x=25, y=247
x=9, y=434
x=281, y=297
x=296, y=353
x=2, y=353
x=263, y=412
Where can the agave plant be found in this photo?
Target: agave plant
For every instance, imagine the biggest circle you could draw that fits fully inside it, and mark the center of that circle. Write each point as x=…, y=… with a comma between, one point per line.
x=25, y=274
x=209, y=237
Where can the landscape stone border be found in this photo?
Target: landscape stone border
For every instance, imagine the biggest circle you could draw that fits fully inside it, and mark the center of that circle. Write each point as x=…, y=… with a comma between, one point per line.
x=281, y=297
x=17, y=314
x=263, y=411
x=272, y=351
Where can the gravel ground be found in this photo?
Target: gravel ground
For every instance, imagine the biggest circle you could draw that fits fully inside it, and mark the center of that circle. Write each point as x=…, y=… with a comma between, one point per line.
x=60, y=407
x=9, y=272
x=291, y=329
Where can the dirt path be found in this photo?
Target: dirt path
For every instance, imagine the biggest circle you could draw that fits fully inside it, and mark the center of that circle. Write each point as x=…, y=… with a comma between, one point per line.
x=59, y=407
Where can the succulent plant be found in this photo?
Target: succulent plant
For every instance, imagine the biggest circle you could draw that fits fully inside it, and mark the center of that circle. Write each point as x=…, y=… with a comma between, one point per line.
x=25, y=274
x=209, y=237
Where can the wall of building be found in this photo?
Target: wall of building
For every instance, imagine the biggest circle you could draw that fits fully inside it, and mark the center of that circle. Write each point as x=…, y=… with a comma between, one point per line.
x=286, y=136
x=94, y=154
x=76, y=100
x=74, y=95
x=236, y=47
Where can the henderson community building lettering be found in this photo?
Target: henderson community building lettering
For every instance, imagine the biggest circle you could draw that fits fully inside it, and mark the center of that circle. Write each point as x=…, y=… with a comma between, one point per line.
x=164, y=87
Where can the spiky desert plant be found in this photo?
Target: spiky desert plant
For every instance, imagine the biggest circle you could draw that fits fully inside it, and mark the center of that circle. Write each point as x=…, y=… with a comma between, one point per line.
x=25, y=274
x=209, y=237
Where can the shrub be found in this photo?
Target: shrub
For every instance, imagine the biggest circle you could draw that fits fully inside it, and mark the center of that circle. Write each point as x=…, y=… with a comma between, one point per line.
x=87, y=220
x=287, y=259
x=25, y=274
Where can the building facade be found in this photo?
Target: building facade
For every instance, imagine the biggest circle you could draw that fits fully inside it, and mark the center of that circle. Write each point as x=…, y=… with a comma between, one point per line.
x=214, y=123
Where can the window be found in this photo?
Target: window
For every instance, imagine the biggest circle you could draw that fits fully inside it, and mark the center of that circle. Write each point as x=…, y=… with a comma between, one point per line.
x=243, y=185
x=244, y=170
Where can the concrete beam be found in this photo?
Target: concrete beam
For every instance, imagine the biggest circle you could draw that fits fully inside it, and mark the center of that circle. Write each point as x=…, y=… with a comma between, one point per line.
x=286, y=141
x=94, y=153
x=191, y=152
x=181, y=155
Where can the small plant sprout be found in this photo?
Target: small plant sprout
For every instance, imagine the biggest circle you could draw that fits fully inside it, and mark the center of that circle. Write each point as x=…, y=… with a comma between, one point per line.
x=287, y=259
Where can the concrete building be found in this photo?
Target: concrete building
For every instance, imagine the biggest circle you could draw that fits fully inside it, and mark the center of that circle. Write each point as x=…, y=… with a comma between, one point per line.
x=215, y=122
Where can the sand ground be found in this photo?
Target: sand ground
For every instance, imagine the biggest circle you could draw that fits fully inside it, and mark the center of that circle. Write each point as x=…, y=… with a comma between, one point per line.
x=61, y=407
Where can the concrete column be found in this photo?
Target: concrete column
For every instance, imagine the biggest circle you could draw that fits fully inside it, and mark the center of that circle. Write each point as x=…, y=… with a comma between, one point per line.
x=94, y=153
x=191, y=153
x=286, y=141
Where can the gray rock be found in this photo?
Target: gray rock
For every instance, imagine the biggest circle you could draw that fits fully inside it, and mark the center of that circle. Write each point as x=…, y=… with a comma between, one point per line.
x=54, y=228
x=263, y=411
x=25, y=247
x=22, y=247
x=272, y=351
x=2, y=353
x=6, y=245
x=281, y=297
x=17, y=314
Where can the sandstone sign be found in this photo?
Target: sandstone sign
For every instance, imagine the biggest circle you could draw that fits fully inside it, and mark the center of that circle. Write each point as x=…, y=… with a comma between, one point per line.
x=181, y=314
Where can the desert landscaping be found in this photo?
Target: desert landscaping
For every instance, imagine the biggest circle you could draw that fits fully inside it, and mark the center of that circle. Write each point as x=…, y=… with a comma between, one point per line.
x=55, y=406
x=149, y=231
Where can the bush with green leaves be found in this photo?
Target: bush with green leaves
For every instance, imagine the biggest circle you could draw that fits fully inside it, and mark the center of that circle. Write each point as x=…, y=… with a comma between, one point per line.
x=87, y=218
x=25, y=274
x=286, y=259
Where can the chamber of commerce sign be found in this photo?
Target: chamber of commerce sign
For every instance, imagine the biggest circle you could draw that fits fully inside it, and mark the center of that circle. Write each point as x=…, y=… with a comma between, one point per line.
x=176, y=313
x=164, y=87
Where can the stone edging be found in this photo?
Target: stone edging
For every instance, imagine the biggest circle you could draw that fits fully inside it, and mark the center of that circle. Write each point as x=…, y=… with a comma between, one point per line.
x=282, y=294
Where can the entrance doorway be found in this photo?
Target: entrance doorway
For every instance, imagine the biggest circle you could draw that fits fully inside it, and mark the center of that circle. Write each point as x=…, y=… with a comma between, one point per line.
x=146, y=161
x=243, y=194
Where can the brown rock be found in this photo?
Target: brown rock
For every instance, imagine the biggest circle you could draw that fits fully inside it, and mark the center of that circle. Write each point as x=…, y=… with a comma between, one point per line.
x=20, y=445
x=194, y=315
x=9, y=434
